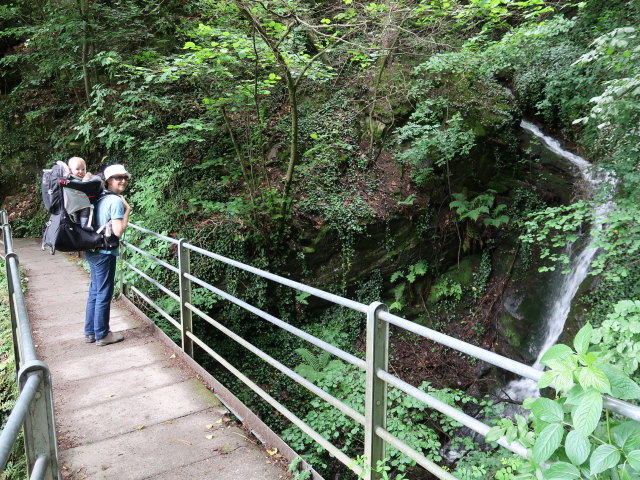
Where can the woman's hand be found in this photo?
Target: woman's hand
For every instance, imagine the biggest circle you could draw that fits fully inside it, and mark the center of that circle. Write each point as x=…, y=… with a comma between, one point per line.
x=127, y=208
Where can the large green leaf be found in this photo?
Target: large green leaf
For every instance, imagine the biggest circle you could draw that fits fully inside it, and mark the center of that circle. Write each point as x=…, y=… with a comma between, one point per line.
x=622, y=386
x=557, y=352
x=634, y=460
x=587, y=415
x=546, y=379
x=604, y=457
x=588, y=359
x=547, y=442
x=594, y=377
x=494, y=433
x=561, y=471
x=575, y=395
x=562, y=372
x=577, y=447
x=626, y=435
x=582, y=339
x=547, y=410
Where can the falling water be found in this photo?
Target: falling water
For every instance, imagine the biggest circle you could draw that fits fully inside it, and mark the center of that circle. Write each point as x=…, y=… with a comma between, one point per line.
x=566, y=285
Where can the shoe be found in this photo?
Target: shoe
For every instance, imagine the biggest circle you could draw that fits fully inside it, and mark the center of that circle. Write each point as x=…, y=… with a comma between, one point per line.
x=110, y=338
x=89, y=338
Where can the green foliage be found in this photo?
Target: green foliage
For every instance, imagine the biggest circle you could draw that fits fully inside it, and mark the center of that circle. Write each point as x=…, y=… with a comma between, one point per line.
x=480, y=465
x=558, y=226
x=168, y=92
x=535, y=55
x=413, y=273
x=472, y=209
x=481, y=276
x=433, y=145
x=619, y=238
x=619, y=336
x=407, y=418
x=294, y=468
x=313, y=369
x=445, y=287
x=329, y=172
x=382, y=468
x=573, y=432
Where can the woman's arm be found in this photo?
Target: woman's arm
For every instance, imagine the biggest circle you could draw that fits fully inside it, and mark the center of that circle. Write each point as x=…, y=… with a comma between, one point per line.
x=119, y=225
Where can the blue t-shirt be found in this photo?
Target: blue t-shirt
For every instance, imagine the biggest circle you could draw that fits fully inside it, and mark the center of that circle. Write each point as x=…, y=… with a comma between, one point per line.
x=109, y=207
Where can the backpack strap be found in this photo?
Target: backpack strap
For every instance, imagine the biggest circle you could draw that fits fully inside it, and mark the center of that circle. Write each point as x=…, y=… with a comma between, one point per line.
x=107, y=228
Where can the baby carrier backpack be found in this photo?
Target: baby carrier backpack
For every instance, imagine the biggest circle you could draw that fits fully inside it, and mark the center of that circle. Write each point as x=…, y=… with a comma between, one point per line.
x=71, y=226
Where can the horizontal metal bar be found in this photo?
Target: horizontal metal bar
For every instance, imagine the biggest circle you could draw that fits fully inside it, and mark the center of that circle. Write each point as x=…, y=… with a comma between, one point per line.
x=345, y=302
x=449, y=411
x=344, y=408
x=615, y=405
x=152, y=257
x=622, y=407
x=347, y=357
x=420, y=459
x=16, y=418
x=324, y=443
x=158, y=309
x=27, y=348
x=153, y=282
x=40, y=467
x=153, y=234
x=482, y=354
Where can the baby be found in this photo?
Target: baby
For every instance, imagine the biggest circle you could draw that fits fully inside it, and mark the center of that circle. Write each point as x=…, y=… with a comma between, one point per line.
x=78, y=168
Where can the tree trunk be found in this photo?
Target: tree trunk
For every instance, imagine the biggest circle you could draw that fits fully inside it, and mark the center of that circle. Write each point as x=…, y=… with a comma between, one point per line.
x=291, y=88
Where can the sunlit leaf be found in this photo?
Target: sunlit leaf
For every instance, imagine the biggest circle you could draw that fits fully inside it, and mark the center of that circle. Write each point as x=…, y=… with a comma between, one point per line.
x=604, y=457
x=587, y=415
x=577, y=447
x=548, y=442
x=561, y=471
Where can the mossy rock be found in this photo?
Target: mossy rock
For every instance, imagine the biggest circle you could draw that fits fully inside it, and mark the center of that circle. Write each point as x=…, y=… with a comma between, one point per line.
x=512, y=331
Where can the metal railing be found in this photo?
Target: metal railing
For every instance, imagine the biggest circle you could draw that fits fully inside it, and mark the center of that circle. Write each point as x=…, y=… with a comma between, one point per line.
x=376, y=435
x=34, y=407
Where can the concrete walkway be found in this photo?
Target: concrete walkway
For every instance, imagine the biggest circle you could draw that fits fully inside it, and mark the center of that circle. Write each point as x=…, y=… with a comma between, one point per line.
x=132, y=410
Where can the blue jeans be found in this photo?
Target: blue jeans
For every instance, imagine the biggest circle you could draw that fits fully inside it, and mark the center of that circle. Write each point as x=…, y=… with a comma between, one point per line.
x=103, y=272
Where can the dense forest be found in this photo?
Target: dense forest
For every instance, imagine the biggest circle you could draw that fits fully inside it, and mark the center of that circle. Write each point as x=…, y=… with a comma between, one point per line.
x=376, y=151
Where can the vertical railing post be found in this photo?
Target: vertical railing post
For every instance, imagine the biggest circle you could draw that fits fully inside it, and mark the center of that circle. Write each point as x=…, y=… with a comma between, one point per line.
x=39, y=425
x=186, y=322
x=376, y=389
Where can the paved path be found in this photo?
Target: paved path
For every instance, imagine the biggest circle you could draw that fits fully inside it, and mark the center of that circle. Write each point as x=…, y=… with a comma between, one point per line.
x=131, y=410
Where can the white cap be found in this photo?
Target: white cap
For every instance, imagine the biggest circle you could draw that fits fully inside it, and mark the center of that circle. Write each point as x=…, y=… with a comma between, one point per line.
x=117, y=169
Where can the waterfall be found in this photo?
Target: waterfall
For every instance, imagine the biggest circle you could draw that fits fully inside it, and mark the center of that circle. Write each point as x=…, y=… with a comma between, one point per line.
x=565, y=286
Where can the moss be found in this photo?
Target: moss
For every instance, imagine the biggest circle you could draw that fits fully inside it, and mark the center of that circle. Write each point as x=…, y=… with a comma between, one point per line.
x=511, y=331
x=199, y=389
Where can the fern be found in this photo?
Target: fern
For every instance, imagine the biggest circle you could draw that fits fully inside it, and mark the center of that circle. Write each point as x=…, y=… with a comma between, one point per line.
x=313, y=364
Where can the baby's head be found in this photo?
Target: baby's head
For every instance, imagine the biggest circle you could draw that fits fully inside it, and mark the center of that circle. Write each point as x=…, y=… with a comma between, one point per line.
x=77, y=166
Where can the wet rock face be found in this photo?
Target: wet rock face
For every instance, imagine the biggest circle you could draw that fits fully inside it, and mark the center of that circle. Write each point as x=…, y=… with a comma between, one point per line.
x=384, y=246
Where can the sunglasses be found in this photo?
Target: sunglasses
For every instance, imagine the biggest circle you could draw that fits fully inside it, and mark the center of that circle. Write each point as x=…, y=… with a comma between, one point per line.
x=119, y=178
